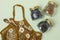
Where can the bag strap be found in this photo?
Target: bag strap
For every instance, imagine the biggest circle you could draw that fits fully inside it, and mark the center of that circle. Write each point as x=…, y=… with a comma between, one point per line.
x=24, y=19
x=14, y=10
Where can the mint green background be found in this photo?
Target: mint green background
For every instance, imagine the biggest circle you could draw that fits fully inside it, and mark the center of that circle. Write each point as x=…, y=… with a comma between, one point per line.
x=6, y=12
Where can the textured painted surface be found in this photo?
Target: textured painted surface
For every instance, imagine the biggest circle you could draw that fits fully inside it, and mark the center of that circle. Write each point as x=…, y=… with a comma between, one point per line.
x=6, y=12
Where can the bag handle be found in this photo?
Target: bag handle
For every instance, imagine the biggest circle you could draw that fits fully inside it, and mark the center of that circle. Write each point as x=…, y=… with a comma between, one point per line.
x=25, y=21
x=14, y=10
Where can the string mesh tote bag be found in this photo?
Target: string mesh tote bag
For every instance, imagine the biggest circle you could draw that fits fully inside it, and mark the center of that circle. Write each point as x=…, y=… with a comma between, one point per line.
x=19, y=30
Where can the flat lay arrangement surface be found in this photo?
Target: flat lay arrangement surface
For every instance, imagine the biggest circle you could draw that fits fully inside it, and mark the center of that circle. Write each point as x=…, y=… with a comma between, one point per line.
x=40, y=20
